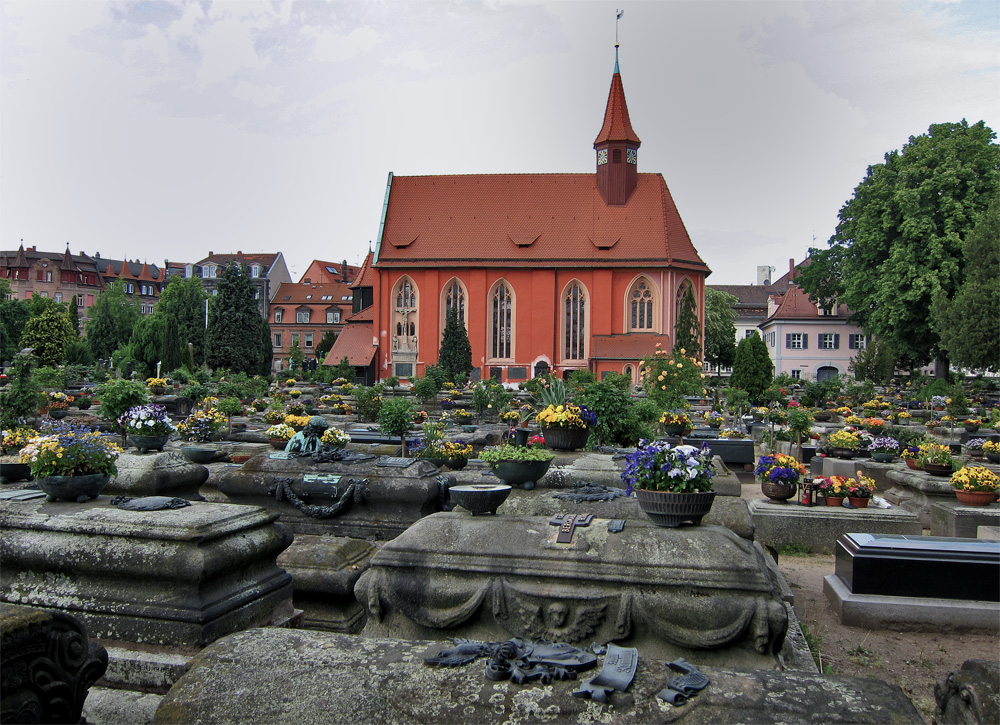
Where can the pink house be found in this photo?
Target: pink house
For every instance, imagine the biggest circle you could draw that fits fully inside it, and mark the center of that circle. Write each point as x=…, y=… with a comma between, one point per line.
x=806, y=341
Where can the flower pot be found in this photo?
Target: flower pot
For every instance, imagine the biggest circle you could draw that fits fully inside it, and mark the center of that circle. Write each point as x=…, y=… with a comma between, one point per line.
x=436, y=462
x=822, y=416
x=669, y=509
x=565, y=439
x=834, y=500
x=148, y=443
x=158, y=390
x=199, y=454
x=521, y=436
x=992, y=457
x=58, y=414
x=975, y=498
x=913, y=464
x=777, y=492
x=480, y=498
x=13, y=472
x=525, y=473
x=971, y=427
x=845, y=453
x=883, y=457
x=278, y=443
x=674, y=430
x=938, y=469
x=859, y=502
x=456, y=464
x=72, y=488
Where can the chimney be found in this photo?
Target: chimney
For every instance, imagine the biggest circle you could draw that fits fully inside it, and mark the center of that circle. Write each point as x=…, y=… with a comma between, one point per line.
x=345, y=270
x=211, y=253
x=791, y=265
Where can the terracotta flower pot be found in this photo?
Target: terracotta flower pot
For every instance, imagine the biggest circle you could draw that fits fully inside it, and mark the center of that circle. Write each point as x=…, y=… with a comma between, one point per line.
x=834, y=500
x=938, y=469
x=859, y=502
x=913, y=464
x=975, y=498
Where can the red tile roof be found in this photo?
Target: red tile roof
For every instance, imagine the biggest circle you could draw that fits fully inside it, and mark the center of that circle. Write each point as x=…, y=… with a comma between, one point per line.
x=311, y=294
x=365, y=315
x=617, y=126
x=560, y=220
x=265, y=260
x=354, y=343
x=633, y=346
x=365, y=277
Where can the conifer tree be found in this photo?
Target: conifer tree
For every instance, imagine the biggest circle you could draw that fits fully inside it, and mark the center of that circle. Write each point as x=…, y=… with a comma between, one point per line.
x=48, y=335
x=455, y=355
x=687, y=329
x=753, y=370
x=238, y=337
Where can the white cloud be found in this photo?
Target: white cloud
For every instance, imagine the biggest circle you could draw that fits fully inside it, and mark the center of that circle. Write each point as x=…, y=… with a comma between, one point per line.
x=333, y=48
x=259, y=95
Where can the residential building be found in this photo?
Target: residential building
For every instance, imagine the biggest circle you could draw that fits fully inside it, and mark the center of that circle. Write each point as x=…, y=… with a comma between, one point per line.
x=809, y=342
x=59, y=275
x=549, y=272
x=267, y=272
x=304, y=313
x=142, y=282
x=320, y=272
x=358, y=341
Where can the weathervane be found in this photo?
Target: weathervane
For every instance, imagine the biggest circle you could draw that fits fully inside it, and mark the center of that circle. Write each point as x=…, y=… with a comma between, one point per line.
x=618, y=17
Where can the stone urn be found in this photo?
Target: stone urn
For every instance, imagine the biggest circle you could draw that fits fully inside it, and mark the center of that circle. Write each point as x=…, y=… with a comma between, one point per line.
x=58, y=413
x=480, y=498
x=199, y=453
x=883, y=457
x=846, y=454
x=565, y=439
x=525, y=473
x=670, y=509
x=148, y=443
x=72, y=488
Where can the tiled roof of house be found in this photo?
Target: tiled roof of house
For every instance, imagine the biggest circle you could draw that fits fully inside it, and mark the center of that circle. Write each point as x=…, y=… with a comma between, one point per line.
x=354, y=343
x=265, y=260
x=617, y=126
x=541, y=219
x=291, y=293
x=795, y=304
x=127, y=269
x=365, y=278
x=365, y=315
x=633, y=346
x=749, y=295
x=26, y=257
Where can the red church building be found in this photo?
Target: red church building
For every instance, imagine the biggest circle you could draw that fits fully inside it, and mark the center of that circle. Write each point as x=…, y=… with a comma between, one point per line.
x=549, y=272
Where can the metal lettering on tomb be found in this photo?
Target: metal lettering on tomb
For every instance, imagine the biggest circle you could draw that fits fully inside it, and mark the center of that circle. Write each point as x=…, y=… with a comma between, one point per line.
x=394, y=462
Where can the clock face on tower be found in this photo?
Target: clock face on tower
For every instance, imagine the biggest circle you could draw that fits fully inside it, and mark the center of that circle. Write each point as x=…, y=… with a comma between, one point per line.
x=630, y=156
x=602, y=156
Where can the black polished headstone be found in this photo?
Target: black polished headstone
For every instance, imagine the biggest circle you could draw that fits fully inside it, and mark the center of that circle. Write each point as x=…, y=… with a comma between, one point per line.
x=920, y=566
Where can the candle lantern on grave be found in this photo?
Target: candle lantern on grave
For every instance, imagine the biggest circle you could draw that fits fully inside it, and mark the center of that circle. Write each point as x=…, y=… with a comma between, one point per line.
x=807, y=489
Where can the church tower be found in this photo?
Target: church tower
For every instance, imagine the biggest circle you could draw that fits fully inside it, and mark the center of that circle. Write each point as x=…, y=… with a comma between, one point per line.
x=617, y=146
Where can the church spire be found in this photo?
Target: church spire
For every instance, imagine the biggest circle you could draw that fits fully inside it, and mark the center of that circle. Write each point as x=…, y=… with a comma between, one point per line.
x=617, y=146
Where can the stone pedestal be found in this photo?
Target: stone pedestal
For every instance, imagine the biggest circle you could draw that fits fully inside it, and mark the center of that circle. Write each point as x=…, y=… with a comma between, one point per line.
x=164, y=474
x=819, y=527
x=176, y=577
x=399, y=492
x=916, y=491
x=501, y=576
x=324, y=570
x=950, y=518
x=313, y=677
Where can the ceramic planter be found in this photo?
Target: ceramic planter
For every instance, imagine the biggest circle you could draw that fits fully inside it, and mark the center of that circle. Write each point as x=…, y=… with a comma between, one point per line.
x=565, y=439
x=199, y=454
x=859, y=502
x=670, y=510
x=938, y=469
x=883, y=457
x=525, y=473
x=845, y=453
x=975, y=498
x=148, y=443
x=777, y=492
x=72, y=488
x=480, y=498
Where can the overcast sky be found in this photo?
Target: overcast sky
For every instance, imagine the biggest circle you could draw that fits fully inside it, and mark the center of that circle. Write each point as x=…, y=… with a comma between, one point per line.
x=162, y=130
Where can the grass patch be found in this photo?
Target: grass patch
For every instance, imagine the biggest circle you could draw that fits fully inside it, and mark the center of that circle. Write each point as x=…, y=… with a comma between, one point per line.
x=865, y=657
x=795, y=549
x=815, y=643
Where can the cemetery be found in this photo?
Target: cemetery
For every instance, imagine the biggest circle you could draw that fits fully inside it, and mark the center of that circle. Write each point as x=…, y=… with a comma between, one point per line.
x=362, y=569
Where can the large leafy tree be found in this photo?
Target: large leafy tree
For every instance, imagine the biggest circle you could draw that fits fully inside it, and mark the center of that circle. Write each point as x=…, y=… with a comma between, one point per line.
x=238, y=337
x=14, y=314
x=48, y=334
x=111, y=321
x=753, y=370
x=720, y=332
x=183, y=301
x=967, y=325
x=455, y=355
x=687, y=329
x=898, y=245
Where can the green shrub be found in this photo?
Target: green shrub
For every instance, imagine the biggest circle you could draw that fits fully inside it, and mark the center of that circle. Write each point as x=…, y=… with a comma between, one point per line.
x=50, y=377
x=425, y=388
x=369, y=402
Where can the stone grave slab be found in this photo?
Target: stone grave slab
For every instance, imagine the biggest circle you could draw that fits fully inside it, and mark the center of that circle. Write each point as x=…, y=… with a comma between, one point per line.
x=399, y=491
x=820, y=527
x=502, y=576
x=920, y=583
x=950, y=518
x=313, y=677
x=163, y=474
x=916, y=491
x=175, y=577
x=324, y=570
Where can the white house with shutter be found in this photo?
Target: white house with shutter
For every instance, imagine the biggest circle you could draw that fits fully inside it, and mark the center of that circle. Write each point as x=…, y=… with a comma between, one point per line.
x=806, y=341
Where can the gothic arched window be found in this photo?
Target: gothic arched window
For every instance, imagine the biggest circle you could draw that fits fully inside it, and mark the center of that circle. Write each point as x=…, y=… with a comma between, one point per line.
x=641, y=303
x=501, y=321
x=575, y=322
